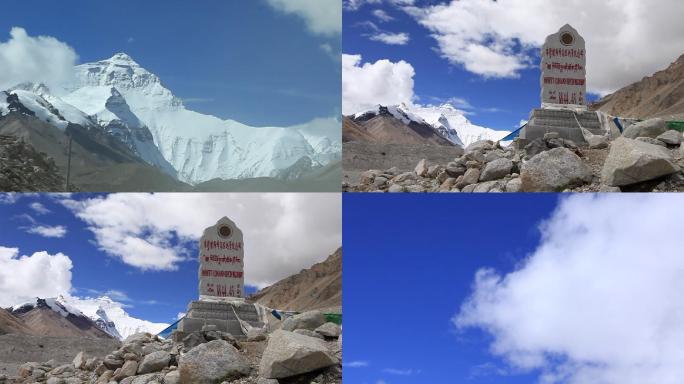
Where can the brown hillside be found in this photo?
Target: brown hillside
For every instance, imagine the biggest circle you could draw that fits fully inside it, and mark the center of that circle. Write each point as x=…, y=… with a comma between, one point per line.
x=11, y=324
x=660, y=95
x=319, y=287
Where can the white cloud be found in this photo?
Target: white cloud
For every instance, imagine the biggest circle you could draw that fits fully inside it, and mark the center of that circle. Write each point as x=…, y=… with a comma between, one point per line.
x=382, y=15
x=38, y=59
x=626, y=39
x=283, y=233
x=39, y=208
x=58, y=231
x=322, y=17
x=353, y=5
x=9, y=197
x=598, y=301
x=356, y=364
x=400, y=372
x=365, y=85
x=41, y=274
x=391, y=38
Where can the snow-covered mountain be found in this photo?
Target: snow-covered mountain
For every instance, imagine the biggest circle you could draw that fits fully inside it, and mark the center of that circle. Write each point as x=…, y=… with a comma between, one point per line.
x=131, y=103
x=107, y=314
x=448, y=121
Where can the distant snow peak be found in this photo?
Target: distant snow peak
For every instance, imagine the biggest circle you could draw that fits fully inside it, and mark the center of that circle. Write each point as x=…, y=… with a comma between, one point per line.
x=447, y=120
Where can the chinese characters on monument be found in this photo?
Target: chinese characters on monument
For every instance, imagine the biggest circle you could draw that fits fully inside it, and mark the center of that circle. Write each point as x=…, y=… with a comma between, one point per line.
x=564, y=75
x=221, y=272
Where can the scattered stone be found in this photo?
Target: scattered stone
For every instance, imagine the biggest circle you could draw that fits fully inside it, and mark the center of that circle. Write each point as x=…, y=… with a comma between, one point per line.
x=554, y=171
x=456, y=169
x=404, y=177
x=649, y=128
x=671, y=137
x=129, y=368
x=289, y=354
x=535, y=147
x=395, y=188
x=496, y=169
x=154, y=362
x=212, y=362
x=80, y=360
x=422, y=168
x=472, y=176
x=307, y=320
x=329, y=330
x=650, y=140
x=479, y=146
x=595, y=141
x=514, y=185
x=309, y=333
x=631, y=162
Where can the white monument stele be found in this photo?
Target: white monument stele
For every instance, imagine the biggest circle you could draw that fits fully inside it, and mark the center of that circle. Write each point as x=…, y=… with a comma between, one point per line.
x=221, y=305
x=563, y=67
x=563, y=91
x=221, y=271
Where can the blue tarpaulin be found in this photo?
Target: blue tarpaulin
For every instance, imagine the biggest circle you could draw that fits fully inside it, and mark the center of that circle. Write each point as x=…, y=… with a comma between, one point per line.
x=513, y=135
x=619, y=124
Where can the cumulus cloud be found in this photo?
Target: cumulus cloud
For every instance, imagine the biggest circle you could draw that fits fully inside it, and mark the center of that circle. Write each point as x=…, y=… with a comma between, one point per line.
x=39, y=208
x=598, y=301
x=57, y=231
x=626, y=39
x=365, y=85
x=322, y=17
x=382, y=15
x=41, y=274
x=390, y=38
x=38, y=59
x=283, y=233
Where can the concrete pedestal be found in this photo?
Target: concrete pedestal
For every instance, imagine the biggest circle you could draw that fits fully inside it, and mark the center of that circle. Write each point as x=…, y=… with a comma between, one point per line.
x=543, y=121
x=223, y=314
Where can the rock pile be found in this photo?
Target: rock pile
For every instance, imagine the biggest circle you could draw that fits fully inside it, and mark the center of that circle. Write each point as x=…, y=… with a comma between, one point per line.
x=23, y=169
x=648, y=157
x=307, y=349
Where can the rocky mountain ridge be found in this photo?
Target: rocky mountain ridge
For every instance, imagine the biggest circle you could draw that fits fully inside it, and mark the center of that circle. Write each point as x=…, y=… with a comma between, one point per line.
x=318, y=287
x=659, y=95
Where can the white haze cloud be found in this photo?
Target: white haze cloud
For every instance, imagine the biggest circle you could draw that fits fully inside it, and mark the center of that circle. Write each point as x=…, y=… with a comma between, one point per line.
x=322, y=17
x=600, y=299
x=38, y=59
x=626, y=39
x=57, y=231
x=283, y=233
x=25, y=277
x=391, y=38
x=364, y=85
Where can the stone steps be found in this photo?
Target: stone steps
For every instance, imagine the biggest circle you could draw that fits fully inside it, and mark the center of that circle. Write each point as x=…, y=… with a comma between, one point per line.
x=543, y=121
x=222, y=315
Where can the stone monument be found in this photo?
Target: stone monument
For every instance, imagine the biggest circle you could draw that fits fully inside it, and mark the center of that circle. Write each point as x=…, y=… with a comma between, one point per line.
x=563, y=90
x=221, y=301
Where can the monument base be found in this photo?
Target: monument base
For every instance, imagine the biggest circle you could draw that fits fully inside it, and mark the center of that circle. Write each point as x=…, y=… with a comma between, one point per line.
x=564, y=122
x=225, y=315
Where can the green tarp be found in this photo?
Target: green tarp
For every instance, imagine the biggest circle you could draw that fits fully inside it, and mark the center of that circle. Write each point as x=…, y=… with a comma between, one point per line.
x=334, y=318
x=676, y=125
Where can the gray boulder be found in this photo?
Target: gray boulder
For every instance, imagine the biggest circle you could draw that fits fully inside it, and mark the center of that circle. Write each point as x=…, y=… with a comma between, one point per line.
x=154, y=362
x=329, y=330
x=651, y=140
x=631, y=161
x=650, y=128
x=289, y=354
x=595, y=141
x=497, y=169
x=456, y=169
x=535, y=147
x=129, y=368
x=472, y=176
x=554, y=171
x=671, y=137
x=479, y=146
x=422, y=168
x=80, y=360
x=514, y=185
x=211, y=363
x=309, y=333
x=307, y=320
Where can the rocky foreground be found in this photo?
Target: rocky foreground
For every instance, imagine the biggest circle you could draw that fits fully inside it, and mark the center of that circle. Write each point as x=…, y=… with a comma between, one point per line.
x=648, y=157
x=303, y=349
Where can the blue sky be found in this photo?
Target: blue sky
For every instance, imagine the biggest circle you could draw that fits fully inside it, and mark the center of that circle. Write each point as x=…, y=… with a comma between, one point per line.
x=484, y=55
x=110, y=240
x=403, y=284
x=409, y=264
x=243, y=60
x=523, y=288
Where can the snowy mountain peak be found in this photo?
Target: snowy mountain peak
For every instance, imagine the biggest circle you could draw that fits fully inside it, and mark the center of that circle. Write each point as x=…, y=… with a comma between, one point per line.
x=122, y=57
